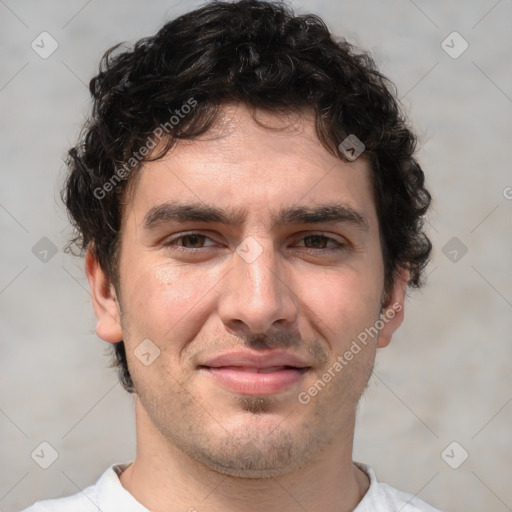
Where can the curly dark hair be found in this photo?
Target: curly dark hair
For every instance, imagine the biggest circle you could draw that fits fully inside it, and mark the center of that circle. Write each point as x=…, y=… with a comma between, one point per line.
x=261, y=54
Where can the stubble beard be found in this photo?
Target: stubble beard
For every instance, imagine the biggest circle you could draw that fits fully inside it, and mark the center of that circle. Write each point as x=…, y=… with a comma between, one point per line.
x=256, y=448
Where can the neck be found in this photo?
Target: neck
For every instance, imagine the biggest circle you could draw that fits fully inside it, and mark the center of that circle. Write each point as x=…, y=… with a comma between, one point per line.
x=164, y=478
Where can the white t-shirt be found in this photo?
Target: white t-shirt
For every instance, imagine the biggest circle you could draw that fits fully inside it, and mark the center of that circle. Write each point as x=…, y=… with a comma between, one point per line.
x=108, y=495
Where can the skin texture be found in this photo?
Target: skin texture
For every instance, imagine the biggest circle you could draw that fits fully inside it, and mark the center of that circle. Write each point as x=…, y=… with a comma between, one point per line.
x=199, y=444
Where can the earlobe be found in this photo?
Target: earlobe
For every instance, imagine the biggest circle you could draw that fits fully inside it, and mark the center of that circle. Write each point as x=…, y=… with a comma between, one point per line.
x=104, y=300
x=393, y=312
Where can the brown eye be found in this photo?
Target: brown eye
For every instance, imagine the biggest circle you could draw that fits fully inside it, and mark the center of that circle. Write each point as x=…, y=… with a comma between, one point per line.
x=317, y=241
x=320, y=242
x=190, y=242
x=195, y=241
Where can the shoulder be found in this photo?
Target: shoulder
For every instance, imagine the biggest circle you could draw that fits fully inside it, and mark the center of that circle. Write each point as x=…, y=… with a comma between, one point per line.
x=93, y=498
x=382, y=497
x=407, y=502
x=81, y=502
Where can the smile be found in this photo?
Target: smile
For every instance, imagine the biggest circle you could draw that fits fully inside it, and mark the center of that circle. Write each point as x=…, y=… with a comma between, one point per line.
x=256, y=381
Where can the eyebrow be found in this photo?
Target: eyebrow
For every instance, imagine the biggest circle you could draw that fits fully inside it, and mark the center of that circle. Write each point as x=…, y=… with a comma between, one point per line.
x=323, y=213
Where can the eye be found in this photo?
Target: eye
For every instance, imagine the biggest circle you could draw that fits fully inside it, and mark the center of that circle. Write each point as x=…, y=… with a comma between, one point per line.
x=319, y=241
x=315, y=242
x=189, y=241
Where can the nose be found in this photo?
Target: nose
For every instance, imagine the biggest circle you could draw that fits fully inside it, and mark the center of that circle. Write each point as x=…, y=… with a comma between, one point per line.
x=256, y=295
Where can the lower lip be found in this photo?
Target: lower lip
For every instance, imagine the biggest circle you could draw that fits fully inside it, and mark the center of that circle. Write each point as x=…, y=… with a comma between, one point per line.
x=254, y=383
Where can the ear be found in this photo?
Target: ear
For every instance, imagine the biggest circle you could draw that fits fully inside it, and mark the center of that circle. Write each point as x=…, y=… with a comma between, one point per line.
x=104, y=300
x=392, y=314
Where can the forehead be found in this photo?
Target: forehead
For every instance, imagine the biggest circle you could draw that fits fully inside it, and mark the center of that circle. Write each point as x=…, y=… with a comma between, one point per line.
x=255, y=163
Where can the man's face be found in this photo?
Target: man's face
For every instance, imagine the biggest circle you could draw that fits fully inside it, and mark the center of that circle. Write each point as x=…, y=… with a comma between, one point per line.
x=248, y=314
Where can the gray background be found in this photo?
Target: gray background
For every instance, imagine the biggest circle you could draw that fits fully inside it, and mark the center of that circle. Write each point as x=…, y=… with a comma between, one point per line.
x=447, y=374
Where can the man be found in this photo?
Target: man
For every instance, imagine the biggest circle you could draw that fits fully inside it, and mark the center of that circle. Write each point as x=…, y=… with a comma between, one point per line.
x=248, y=200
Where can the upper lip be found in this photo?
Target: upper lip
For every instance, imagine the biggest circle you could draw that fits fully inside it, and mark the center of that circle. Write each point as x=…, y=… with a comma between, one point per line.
x=258, y=360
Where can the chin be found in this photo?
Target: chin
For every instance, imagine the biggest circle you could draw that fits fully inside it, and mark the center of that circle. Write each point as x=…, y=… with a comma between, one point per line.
x=253, y=450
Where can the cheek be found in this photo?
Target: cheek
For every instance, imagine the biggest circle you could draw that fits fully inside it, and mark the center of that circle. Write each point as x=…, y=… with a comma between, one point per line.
x=167, y=304
x=343, y=303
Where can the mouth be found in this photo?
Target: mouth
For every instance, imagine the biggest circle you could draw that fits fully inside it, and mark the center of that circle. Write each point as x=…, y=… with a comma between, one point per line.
x=249, y=374
x=256, y=381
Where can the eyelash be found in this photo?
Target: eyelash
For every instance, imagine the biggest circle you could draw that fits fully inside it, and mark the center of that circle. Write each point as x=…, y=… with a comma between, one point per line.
x=339, y=245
